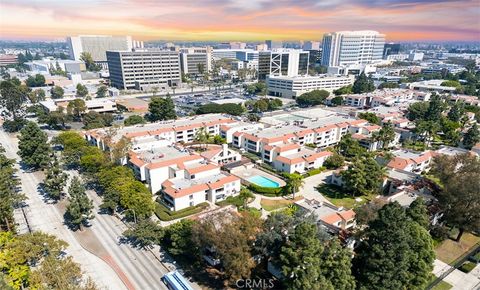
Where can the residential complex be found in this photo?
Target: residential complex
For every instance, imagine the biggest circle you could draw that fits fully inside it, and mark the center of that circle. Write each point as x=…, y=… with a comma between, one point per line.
x=294, y=86
x=346, y=48
x=144, y=69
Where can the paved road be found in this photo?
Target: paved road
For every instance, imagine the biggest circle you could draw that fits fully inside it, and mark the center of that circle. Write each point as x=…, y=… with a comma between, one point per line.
x=47, y=218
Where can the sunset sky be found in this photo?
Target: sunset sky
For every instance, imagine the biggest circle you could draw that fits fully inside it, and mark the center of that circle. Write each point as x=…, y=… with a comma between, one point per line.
x=400, y=20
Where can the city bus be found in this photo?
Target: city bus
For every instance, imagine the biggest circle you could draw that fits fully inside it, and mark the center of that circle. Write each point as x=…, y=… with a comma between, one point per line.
x=175, y=281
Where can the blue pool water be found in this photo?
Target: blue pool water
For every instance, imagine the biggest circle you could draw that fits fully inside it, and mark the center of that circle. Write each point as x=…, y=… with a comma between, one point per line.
x=263, y=181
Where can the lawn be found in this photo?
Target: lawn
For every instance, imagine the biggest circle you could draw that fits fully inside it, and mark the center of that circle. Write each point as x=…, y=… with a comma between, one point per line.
x=338, y=197
x=442, y=285
x=274, y=204
x=448, y=251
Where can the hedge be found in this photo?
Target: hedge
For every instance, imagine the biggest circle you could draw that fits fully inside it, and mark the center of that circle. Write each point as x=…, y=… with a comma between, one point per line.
x=164, y=214
x=315, y=171
x=275, y=191
x=467, y=267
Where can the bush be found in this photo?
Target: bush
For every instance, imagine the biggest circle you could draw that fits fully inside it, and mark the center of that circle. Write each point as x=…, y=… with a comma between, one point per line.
x=232, y=109
x=334, y=161
x=475, y=258
x=467, y=267
x=315, y=171
x=233, y=200
x=164, y=214
x=313, y=98
x=268, y=191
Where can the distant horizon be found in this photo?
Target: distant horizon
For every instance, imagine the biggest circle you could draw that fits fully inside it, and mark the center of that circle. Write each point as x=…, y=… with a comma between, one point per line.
x=235, y=20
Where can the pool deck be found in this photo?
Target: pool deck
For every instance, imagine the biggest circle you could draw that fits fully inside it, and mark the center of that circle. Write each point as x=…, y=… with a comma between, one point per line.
x=249, y=172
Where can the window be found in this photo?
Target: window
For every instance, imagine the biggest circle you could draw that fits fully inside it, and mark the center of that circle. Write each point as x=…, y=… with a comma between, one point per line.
x=191, y=196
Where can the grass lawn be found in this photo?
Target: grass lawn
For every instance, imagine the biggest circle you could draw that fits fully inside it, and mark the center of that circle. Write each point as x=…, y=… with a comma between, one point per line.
x=165, y=214
x=274, y=204
x=338, y=197
x=448, y=251
x=442, y=286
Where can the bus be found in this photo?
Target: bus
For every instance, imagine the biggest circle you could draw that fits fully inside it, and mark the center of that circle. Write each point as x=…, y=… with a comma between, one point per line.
x=175, y=281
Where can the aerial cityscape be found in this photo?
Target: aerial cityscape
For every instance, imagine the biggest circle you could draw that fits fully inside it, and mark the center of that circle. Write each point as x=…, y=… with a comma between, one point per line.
x=240, y=145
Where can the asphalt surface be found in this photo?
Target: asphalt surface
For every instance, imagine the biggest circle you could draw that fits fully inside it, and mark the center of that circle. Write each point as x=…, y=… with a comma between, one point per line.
x=116, y=266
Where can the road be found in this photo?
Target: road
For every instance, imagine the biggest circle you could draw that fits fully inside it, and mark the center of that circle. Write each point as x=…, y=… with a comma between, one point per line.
x=139, y=269
x=47, y=218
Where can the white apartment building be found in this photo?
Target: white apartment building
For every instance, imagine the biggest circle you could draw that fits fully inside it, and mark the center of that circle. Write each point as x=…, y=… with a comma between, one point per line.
x=144, y=69
x=292, y=87
x=180, y=130
x=97, y=45
x=292, y=157
x=345, y=48
x=283, y=62
x=182, y=178
x=192, y=60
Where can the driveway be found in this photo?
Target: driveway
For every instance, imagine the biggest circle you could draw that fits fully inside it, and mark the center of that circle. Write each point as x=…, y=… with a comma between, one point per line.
x=458, y=279
x=310, y=183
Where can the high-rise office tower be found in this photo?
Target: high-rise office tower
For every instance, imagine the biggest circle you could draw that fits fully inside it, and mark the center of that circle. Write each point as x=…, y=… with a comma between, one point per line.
x=311, y=45
x=97, y=46
x=391, y=49
x=282, y=62
x=196, y=60
x=273, y=44
x=346, y=48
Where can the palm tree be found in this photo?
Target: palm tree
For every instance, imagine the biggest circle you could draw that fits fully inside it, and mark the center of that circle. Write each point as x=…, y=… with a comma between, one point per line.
x=294, y=183
x=202, y=136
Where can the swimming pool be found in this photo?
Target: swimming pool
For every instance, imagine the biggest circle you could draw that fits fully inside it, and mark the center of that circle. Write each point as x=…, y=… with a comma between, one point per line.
x=263, y=181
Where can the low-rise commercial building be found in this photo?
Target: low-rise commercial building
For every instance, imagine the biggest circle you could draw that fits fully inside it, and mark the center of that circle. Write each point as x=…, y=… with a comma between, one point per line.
x=102, y=105
x=292, y=87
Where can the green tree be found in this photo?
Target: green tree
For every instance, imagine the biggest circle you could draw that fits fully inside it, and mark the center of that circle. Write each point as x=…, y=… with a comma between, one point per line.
x=10, y=196
x=87, y=58
x=102, y=91
x=394, y=253
x=417, y=111
x=313, y=98
x=136, y=199
x=55, y=180
x=436, y=106
x=334, y=161
x=145, y=233
x=232, y=109
x=35, y=81
x=451, y=83
x=76, y=108
x=73, y=147
x=82, y=91
x=36, y=96
x=92, y=120
x=472, y=137
x=343, y=90
x=12, y=98
x=363, y=84
x=301, y=259
x=337, y=101
x=386, y=135
x=110, y=178
x=56, y=92
x=55, y=119
x=370, y=117
x=457, y=111
x=178, y=238
x=458, y=197
x=260, y=106
x=33, y=146
x=161, y=109
x=79, y=208
x=232, y=237
x=388, y=85
x=337, y=265
x=92, y=159
x=363, y=176
x=294, y=183
x=133, y=120
x=349, y=147
x=418, y=212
